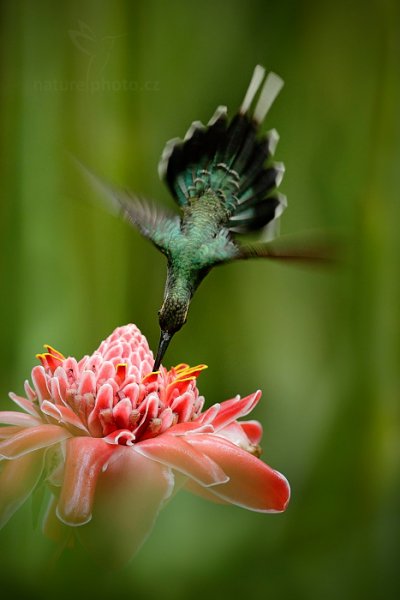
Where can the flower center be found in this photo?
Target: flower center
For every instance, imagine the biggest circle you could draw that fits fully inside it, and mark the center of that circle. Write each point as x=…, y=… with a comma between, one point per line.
x=112, y=397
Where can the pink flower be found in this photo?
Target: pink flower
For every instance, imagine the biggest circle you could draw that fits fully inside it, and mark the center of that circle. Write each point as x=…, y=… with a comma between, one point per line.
x=112, y=439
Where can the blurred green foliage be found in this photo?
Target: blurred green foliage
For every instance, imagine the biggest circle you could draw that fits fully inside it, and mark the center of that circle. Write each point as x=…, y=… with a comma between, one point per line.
x=323, y=346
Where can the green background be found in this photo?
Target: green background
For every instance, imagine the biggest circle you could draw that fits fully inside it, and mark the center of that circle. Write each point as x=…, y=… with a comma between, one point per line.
x=322, y=345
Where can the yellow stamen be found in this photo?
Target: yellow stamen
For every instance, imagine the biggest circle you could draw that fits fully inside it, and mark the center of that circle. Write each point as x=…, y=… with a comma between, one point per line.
x=54, y=352
x=188, y=371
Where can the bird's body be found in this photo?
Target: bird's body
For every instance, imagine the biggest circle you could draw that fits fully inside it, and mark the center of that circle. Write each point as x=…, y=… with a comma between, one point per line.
x=223, y=179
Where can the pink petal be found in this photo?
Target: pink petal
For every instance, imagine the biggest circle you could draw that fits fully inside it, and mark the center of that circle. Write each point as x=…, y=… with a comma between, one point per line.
x=9, y=431
x=120, y=436
x=10, y=417
x=151, y=405
x=84, y=460
x=30, y=393
x=234, y=409
x=176, y=453
x=39, y=380
x=129, y=496
x=25, y=404
x=235, y=434
x=104, y=401
x=253, y=430
x=31, y=439
x=62, y=414
x=191, y=427
x=209, y=415
x=121, y=413
x=252, y=484
x=183, y=405
x=17, y=480
x=87, y=384
x=105, y=372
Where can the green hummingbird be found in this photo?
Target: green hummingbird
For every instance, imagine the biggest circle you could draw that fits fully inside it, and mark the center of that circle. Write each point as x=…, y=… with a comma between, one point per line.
x=224, y=180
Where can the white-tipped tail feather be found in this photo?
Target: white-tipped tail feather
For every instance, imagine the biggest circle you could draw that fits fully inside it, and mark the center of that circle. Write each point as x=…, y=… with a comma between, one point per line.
x=271, y=88
x=256, y=81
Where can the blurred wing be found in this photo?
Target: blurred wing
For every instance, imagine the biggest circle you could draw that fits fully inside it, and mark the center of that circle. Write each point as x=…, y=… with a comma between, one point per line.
x=292, y=251
x=156, y=225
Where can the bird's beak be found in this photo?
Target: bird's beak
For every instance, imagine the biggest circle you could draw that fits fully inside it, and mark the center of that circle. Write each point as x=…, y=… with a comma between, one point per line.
x=165, y=339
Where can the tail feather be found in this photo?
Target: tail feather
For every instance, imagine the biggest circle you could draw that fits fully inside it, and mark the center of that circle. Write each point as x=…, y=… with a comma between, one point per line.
x=231, y=160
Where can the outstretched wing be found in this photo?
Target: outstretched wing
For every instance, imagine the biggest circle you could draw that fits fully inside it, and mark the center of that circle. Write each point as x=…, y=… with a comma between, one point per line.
x=153, y=223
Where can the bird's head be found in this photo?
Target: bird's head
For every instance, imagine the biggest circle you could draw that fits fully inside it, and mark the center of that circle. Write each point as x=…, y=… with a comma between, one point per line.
x=172, y=316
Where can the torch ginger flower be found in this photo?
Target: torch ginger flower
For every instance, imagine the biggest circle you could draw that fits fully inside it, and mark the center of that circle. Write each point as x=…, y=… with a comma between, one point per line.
x=112, y=439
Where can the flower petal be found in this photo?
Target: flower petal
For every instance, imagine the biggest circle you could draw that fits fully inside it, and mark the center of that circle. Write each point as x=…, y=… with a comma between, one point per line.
x=17, y=480
x=120, y=436
x=32, y=438
x=235, y=434
x=129, y=496
x=252, y=484
x=85, y=457
x=13, y=417
x=62, y=414
x=190, y=427
x=234, y=409
x=39, y=380
x=178, y=454
x=25, y=404
x=8, y=432
x=253, y=430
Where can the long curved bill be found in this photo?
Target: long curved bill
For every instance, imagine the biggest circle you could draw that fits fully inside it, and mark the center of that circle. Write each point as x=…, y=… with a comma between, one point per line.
x=165, y=339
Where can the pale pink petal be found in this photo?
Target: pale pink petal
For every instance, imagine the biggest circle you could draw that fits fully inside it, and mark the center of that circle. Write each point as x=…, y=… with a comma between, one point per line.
x=253, y=430
x=31, y=439
x=234, y=409
x=104, y=401
x=120, y=436
x=17, y=480
x=183, y=405
x=151, y=405
x=105, y=372
x=121, y=413
x=30, y=393
x=40, y=383
x=191, y=427
x=176, y=453
x=235, y=434
x=8, y=432
x=25, y=404
x=84, y=461
x=252, y=484
x=129, y=496
x=10, y=417
x=209, y=415
x=62, y=414
x=87, y=384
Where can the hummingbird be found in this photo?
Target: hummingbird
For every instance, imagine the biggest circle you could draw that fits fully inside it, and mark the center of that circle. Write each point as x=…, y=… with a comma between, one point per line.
x=225, y=183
